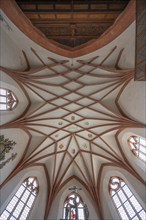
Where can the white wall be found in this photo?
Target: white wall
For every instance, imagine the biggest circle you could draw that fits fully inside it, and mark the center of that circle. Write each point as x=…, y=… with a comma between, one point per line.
x=136, y=163
x=133, y=183
x=21, y=138
x=8, y=83
x=133, y=101
x=56, y=212
x=12, y=186
x=11, y=56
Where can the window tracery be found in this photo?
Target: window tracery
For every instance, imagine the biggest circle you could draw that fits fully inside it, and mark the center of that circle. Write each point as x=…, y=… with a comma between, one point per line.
x=21, y=204
x=126, y=203
x=74, y=207
x=8, y=100
x=138, y=147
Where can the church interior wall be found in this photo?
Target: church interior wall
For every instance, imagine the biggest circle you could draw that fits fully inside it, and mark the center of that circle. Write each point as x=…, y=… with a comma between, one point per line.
x=12, y=186
x=21, y=143
x=7, y=82
x=132, y=182
x=58, y=203
x=138, y=164
x=133, y=101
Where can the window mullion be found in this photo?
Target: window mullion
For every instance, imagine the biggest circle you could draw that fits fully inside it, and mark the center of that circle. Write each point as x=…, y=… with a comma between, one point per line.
x=142, y=152
x=136, y=213
x=129, y=204
x=122, y=204
x=19, y=199
x=1, y=95
x=11, y=101
x=25, y=204
x=11, y=213
x=135, y=144
x=128, y=199
x=3, y=102
x=12, y=210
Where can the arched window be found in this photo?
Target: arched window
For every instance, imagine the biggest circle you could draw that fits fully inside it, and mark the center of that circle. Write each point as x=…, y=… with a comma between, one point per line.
x=8, y=100
x=138, y=146
x=74, y=207
x=20, y=205
x=124, y=200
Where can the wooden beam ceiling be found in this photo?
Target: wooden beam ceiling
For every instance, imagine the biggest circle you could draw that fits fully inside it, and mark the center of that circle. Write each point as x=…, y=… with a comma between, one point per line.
x=72, y=22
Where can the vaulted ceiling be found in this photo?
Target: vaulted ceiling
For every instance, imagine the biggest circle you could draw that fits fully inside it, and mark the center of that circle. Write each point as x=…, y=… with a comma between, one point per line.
x=74, y=111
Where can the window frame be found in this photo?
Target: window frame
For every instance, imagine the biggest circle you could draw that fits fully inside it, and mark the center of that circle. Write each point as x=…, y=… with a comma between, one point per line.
x=12, y=94
x=20, y=198
x=80, y=201
x=133, y=146
x=127, y=199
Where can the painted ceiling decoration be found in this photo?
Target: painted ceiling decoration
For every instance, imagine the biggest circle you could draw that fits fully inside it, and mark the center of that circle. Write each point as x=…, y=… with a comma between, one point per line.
x=74, y=108
x=6, y=145
x=23, y=23
x=72, y=23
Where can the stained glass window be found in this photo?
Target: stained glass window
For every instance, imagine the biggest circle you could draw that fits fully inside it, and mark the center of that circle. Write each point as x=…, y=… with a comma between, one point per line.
x=20, y=205
x=138, y=146
x=126, y=203
x=8, y=100
x=74, y=207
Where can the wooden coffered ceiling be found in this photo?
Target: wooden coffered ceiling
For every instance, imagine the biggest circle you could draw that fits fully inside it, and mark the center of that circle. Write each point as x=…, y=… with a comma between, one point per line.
x=72, y=23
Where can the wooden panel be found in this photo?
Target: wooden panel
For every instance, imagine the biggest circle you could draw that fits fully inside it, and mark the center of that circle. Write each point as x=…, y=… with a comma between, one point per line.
x=99, y=6
x=80, y=16
x=55, y=18
x=63, y=7
x=28, y=6
x=140, y=62
x=45, y=7
x=116, y=6
x=81, y=7
x=47, y=16
x=63, y=16
x=33, y=16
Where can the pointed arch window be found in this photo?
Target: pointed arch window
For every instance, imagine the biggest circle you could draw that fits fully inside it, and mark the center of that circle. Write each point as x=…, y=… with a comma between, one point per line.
x=21, y=204
x=126, y=203
x=8, y=100
x=74, y=207
x=138, y=147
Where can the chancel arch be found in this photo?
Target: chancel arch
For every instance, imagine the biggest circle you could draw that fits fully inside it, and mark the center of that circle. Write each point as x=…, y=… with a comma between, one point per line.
x=57, y=207
x=74, y=207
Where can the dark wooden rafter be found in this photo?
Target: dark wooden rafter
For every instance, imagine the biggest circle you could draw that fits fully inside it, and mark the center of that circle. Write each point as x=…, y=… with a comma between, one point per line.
x=72, y=6
x=14, y=12
x=65, y=21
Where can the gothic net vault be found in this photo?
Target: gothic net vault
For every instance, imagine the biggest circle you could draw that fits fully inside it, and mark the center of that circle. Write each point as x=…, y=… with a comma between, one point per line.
x=75, y=109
